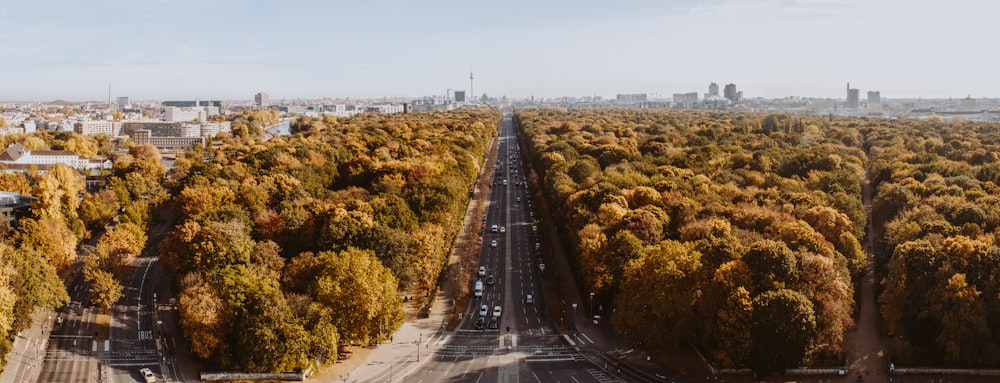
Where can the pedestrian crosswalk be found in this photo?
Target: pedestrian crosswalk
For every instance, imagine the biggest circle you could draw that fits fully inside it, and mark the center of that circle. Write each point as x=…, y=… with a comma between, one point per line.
x=549, y=353
x=600, y=376
x=111, y=357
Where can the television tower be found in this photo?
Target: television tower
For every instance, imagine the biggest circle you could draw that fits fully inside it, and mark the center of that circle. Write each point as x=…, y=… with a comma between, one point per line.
x=472, y=89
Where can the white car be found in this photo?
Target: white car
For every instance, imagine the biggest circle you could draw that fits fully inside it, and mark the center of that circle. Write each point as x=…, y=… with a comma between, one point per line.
x=483, y=310
x=503, y=229
x=496, y=311
x=482, y=271
x=493, y=243
x=529, y=299
x=147, y=375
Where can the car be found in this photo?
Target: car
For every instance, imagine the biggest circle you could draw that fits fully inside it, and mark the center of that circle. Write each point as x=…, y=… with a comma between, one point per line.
x=493, y=243
x=497, y=311
x=480, y=322
x=490, y=280
x=529, y=299
x=493, y=228
x=494, y=323
x=147, y=375
x=484, y=310
x=504, y=182
x=482, y=271
x=503, y=229
x=518, y=199
x=541, y=267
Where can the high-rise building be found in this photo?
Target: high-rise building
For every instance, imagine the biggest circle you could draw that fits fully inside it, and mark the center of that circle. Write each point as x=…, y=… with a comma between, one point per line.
x=730, y=93
x=853, y=97
x=262, y=99
x=459, y=96
x=123, y=103
x=713, y=90
x=874, y=97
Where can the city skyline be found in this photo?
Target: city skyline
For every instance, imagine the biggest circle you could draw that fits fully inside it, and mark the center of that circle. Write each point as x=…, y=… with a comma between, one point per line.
x=233, y=49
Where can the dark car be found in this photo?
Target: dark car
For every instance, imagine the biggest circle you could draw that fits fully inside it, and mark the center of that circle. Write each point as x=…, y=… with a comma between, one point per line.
x=490, y=280
x=494, y=323
x=480, y=323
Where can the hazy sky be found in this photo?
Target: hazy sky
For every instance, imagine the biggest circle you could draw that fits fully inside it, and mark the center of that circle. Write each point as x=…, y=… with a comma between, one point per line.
x=231, y=49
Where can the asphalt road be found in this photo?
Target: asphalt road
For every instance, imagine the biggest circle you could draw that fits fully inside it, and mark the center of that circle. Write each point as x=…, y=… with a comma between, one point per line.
x=525, y=345
x=142, y=331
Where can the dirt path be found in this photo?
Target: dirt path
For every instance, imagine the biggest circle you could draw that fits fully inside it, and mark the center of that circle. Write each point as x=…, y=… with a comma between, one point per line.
x=865, y=349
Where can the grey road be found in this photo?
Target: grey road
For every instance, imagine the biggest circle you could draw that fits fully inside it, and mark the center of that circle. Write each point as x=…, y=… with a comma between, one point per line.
x=142, y=331
x=524, y=346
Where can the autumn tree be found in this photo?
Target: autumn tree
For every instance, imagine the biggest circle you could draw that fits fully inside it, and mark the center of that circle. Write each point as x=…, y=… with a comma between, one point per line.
x=661, y=288
x=784, y=329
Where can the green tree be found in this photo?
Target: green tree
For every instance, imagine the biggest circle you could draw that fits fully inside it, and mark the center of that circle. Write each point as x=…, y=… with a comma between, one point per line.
x=784, y=330
x=773, y=265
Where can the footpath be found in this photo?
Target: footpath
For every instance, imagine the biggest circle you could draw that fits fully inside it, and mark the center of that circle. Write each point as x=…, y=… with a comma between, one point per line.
x=24, y=362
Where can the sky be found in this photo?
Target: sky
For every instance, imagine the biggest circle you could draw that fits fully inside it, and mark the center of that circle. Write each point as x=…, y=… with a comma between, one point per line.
x=232, y=49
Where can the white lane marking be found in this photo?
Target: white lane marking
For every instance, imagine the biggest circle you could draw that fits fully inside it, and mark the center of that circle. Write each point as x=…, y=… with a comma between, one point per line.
x=588, y=338
x=574, y=379
x=570, y=341
x=536, y=377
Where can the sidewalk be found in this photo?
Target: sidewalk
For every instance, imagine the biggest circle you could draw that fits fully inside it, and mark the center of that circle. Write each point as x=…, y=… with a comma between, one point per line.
x=411, y=346
x=24, y=362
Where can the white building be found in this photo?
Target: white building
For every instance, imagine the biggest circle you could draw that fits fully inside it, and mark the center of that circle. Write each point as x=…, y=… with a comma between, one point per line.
x=17, y=158
x=95, y=127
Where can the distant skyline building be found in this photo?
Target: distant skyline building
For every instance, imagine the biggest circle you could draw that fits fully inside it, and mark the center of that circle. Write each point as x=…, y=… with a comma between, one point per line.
x=634, y=98
x=874, y=97
x=195, y=103
x=853, y=97
x=459, y=96
x=123, y=103
x=262, y=99
x=713, y=90
x=730, y=93
x=690, y=97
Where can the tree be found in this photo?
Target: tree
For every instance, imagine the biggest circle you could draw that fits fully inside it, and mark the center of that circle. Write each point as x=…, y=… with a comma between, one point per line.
x=99, y=209
x=204, y=319
x=358, y=292
x=50, y=237
x=963, y=321
x=58, y=193
x=773, y=265
x=784, y=330
x=16, y=183
x=659, y=291
x=105, y=290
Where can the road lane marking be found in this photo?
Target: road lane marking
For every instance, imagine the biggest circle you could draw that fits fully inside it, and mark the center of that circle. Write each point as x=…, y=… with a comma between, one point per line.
x=570, y=341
